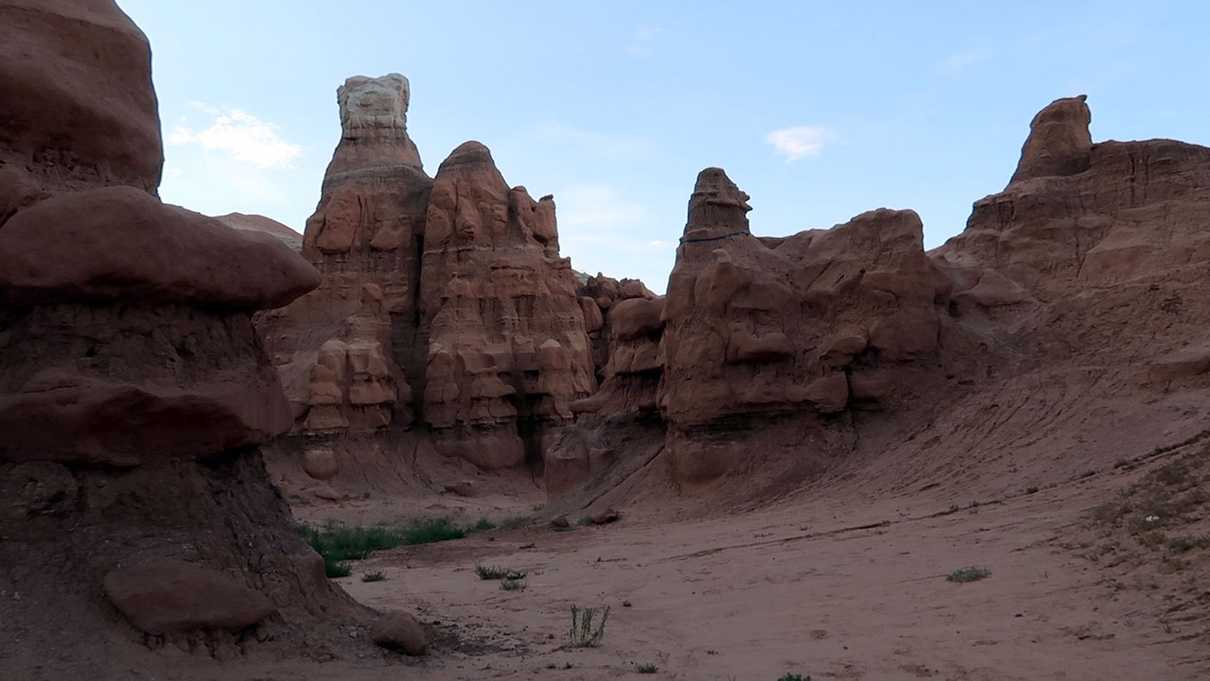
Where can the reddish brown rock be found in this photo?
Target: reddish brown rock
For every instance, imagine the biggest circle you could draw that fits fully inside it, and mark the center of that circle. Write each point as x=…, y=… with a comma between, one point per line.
x=597, y=295
x=134, y=390
x=260, y=223
x=767, y=327
x=401, y=632
x=125, y=244
x=346, y=350
x=74, y=100
x=1059, y=143
x=1125, y=210
x=167, y=596
x=507, y=348
x=443, y=302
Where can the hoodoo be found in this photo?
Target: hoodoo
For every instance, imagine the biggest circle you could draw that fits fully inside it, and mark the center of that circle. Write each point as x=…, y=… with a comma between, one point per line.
x=134, y=390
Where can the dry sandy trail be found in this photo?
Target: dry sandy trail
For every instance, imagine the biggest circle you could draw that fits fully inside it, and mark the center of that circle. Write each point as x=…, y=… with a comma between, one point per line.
x=794, y=588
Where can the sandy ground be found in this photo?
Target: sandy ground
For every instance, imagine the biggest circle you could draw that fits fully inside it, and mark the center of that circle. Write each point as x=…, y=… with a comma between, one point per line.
x=819, y=588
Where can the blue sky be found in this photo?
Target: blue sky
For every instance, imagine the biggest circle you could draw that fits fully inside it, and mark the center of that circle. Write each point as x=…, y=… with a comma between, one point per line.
x=820, y=111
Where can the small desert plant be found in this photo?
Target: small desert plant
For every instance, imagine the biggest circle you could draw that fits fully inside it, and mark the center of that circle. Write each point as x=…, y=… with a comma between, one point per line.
x=1183, y=544
x=584, y=520
x=491, y=571
x=373, y=577
x=510, y=584
x=968, y=574
x=646, y=668
x=498, y=572
x=794, y=677
x=582, y=634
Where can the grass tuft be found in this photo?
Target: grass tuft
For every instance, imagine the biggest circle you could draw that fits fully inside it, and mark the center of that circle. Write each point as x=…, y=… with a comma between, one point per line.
x=794, y=677
x=968, y=574
x=646, y=668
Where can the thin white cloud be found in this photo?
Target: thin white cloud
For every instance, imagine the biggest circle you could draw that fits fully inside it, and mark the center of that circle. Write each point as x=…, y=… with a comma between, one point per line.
x=240, y=135
x=642, y=41
x=956, y=63
x=798, y=142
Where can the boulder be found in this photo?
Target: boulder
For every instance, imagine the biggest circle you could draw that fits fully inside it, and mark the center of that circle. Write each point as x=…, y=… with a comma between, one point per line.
x=166, y=596
x=400, y=632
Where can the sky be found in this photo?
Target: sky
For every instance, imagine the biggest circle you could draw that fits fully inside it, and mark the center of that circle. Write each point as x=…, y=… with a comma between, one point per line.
x=820, y=111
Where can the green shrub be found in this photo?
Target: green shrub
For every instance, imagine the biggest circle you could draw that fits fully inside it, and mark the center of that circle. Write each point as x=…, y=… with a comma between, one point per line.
x=646, y=668
x=968, y=574
x=339, y=543
x=432, y=530
x=795, y=677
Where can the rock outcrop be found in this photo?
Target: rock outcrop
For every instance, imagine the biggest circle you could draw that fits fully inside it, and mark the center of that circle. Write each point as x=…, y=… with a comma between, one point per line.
x=343, y=349
x=260, y=223
x=134, y=390
x=1080, y=215
x=507, y=349
x=444, y=306
x=813, y=323
x=597, y=295
x=74, y=118
x=1039, y=340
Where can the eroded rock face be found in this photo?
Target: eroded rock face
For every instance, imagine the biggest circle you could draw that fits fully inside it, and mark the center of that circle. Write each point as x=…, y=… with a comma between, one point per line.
x=597, y=295
x=346, y=350
x=1059, y=142
x=260, y=223
x=759, y=327
x=444, y=302
x=1116, y=211
x=170, y=596
x=134, y=390
x=74, y=100
x=507, y=349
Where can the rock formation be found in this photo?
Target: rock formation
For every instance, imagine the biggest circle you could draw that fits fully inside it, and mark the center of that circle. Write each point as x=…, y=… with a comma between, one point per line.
x=134, y=390
x=814, y=323
x=74, y=118
x=1078, y=290
x=507, y=350
x=342, y=349
x=445, y=307
x=260, y=223
x=597, y=295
